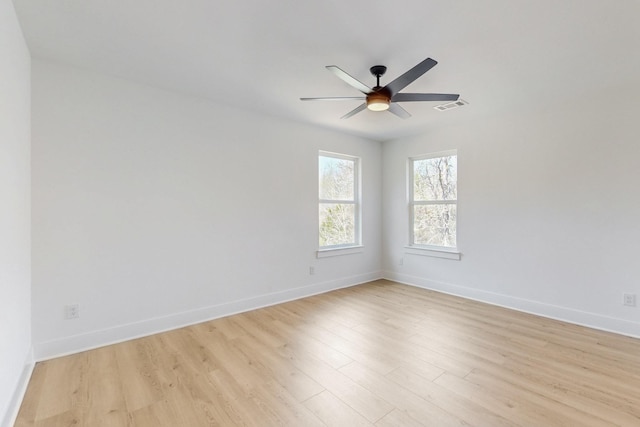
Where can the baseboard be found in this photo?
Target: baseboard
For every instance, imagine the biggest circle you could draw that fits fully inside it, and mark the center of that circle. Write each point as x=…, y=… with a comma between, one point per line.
x=120, y=333
x=18, y=394
x=582, y=318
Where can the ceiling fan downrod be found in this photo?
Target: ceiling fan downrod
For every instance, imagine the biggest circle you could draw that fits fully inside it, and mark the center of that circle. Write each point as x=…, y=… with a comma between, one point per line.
x=378, y=71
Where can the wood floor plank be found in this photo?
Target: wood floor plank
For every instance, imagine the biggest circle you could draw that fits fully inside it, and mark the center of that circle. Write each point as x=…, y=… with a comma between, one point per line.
x=334, y=412
x=234, y=401
x=580, y=393
x=140, y=384
x=522, y=412
x=305, y=340
x=101, y=390
x=380, y=354
x=397, y=418
x=273, y=365
x=555, y=407
x=369, y=405
x=69, y=372
x=281, y=408
x=400, y=397
x=463, y=408
x=64, y=419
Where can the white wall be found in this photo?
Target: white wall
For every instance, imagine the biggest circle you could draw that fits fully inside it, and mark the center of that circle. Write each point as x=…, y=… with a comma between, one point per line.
x=15, y=234
x=548, y=210
x=152, y=210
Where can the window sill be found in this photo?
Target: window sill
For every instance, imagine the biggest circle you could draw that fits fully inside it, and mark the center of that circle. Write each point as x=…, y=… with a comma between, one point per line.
x=433, y=252
x=325, y=253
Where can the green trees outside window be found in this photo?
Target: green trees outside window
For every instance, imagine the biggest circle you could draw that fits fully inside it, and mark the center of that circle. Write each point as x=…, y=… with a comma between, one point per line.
x=339, y=206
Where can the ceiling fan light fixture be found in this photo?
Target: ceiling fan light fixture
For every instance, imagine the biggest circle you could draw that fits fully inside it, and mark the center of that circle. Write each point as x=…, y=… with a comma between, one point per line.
x=377, y=102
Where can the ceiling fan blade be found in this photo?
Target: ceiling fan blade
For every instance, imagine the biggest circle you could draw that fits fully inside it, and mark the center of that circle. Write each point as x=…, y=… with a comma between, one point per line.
x=399, y=111
x=404, y=80
x=336, y=98
x=351, y=81
x=411, y=97
x=355, y=111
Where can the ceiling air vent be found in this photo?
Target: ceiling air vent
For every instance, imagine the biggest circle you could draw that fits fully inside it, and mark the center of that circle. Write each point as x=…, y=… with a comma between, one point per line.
x=450, y=105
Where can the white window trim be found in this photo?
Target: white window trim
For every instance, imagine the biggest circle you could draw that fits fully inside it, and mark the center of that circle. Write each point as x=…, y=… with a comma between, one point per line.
x=347, y=248
x=428, y=250
x=338, y=251
x=433, y=251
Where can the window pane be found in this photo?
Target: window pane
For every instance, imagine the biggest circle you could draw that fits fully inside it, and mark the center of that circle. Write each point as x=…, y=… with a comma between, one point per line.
x=435, y=179
x=337, y=225
x=434, y=225
x=336, y=178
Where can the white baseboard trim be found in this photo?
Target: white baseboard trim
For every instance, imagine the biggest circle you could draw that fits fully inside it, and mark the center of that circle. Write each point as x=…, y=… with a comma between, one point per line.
x=18, y=394
x=582, y=318
x=94, y=339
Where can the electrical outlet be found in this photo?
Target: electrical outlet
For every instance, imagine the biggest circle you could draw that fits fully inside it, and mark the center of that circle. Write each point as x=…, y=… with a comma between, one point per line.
x=71, y=311
x=629, y=300
x=312, y=270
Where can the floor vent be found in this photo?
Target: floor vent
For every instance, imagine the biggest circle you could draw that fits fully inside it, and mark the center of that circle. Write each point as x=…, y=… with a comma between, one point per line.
x=450, y=105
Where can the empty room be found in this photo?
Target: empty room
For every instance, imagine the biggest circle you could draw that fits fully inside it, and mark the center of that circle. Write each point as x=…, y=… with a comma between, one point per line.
x=338, y=213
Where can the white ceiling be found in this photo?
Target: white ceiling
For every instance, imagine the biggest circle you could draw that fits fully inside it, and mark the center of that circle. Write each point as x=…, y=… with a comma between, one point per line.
x=264, y=55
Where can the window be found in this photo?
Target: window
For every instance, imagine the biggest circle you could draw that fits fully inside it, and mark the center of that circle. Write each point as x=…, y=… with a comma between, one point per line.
x=339, y=204
x=433, y=199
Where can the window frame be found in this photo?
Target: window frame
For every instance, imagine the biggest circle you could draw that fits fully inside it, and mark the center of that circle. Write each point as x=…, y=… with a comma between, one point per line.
x=450, y=252
x=351, y=247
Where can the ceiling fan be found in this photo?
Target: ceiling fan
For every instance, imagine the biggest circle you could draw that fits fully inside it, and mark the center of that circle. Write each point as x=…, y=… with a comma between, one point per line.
x=386, y=98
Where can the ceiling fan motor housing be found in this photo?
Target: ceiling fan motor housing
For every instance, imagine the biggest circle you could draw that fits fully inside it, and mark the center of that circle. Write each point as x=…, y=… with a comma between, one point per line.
x=379, y=99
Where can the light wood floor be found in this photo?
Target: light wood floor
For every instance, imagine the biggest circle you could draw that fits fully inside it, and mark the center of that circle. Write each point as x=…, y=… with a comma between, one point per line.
x=378, y=354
